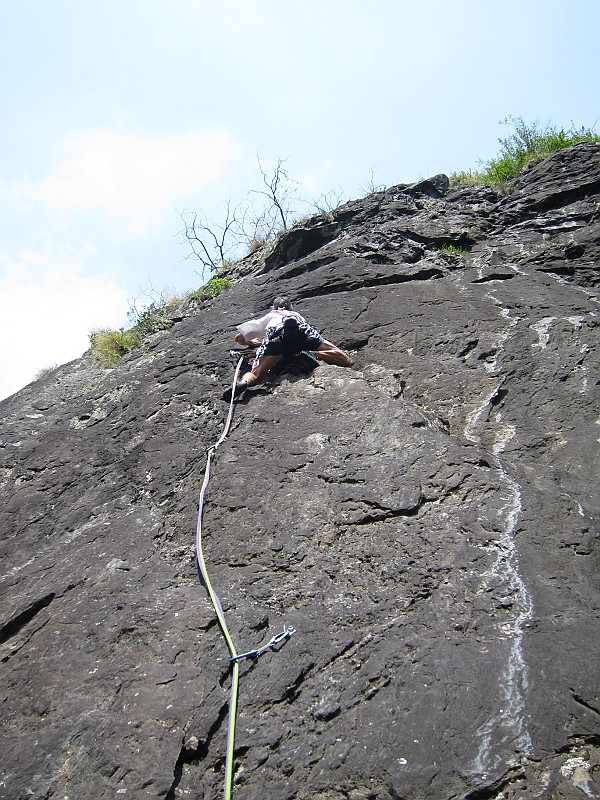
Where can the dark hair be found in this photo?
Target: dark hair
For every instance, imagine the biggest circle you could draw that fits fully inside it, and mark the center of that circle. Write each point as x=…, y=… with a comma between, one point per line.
x=282, y=302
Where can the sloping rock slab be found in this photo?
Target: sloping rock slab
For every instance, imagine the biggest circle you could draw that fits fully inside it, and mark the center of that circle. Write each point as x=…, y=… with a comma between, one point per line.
x=427, y=522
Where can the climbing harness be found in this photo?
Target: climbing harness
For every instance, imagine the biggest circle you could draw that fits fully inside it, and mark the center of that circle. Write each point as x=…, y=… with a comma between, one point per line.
x=235, y=659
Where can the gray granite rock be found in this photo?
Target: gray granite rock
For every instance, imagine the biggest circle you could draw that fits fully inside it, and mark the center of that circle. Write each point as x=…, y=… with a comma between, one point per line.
x=426, y=521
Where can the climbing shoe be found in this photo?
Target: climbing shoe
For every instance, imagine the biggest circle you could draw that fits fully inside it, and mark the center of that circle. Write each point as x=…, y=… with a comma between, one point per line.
x=239, y=390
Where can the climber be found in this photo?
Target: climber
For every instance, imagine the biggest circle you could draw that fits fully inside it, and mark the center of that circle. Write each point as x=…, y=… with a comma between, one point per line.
x=282, y=332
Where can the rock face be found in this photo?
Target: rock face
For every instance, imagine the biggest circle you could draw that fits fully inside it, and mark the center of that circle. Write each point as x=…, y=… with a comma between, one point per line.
x=426, y=521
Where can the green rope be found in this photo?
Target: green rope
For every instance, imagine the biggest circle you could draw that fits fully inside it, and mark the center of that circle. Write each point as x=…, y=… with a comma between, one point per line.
x=234, y=657
x=233, y=697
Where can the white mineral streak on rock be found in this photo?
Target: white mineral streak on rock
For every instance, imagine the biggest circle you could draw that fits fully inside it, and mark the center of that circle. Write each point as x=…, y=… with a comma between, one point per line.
x=494, y=365
x=542, y=329
x=575, y=321
x=590, y=294
x=508, y=727
x=571, y=764
x=585, y=385
x=474, y=416
x=6, y=475
x=577, y=770
x=480, y=267
x=516, y=269
x=503, y=437
x=583, y=349
x=12, y=572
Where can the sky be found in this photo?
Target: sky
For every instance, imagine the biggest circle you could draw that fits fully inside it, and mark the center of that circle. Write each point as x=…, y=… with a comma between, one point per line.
x=117, y=117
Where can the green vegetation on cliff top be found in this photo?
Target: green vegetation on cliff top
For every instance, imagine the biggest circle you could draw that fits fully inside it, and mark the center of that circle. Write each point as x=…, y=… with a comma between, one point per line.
x=528, y=143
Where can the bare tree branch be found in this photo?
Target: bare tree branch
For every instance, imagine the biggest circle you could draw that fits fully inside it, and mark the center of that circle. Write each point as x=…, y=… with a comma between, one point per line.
x=328, y=202
x=371, y=187
x=212, y=243
x=280, y=188
x=253, y=223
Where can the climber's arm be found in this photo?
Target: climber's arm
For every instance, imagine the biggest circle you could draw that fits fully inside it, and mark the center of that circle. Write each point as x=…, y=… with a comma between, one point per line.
x=331, y=354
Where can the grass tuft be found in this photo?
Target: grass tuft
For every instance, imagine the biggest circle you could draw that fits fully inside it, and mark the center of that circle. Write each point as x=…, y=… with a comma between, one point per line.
x=108, y=347
x=212, y=289
x=45, y=371
x=152, y=319
x=451, y=248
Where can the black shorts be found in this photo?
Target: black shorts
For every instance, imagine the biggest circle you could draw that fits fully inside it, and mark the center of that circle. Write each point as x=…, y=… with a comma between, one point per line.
x=291, y=338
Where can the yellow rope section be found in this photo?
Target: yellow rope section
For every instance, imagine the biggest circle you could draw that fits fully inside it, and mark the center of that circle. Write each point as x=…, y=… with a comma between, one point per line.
x=235, y=672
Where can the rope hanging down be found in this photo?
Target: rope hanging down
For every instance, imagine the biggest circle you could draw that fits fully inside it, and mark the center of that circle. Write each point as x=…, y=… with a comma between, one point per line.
x=234, y=657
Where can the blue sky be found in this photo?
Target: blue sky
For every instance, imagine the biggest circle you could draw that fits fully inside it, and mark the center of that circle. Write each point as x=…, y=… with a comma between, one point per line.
x=116, y=116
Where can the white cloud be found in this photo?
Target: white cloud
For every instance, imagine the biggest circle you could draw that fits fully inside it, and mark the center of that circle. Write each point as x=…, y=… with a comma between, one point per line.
x=48, y=307
x=131, y=181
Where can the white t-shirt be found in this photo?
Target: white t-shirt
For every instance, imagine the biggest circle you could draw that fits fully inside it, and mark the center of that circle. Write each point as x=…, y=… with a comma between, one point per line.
x=257, y=328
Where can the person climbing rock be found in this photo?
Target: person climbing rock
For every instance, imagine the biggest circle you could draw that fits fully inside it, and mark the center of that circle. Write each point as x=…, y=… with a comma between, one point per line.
x=282, y=332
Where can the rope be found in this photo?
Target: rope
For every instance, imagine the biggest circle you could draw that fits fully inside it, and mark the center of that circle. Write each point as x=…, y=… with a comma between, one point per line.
x=235, y=659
